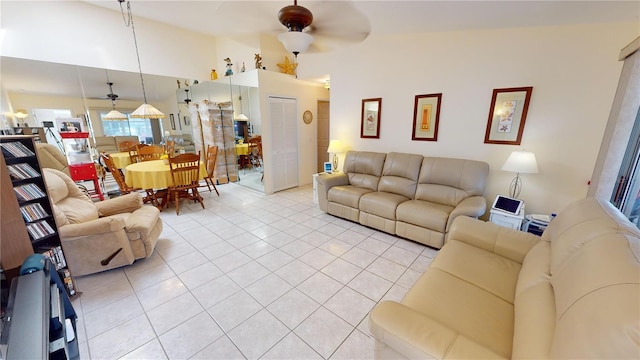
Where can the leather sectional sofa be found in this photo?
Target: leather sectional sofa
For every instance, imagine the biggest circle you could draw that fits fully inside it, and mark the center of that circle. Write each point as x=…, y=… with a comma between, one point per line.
x=109, y=144
x=499, y=293
x=408, y=195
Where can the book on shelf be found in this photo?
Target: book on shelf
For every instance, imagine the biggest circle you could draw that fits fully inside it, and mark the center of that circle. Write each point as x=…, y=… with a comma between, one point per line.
x=22, y=171
x=33, y=212
x=65, y=275
x=39, y=229
x=56, y=256
x=28, y=192
x=16, y=149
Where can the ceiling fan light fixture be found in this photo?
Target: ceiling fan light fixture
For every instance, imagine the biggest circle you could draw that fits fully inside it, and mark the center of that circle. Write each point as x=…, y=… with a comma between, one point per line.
x=295, y=41
x=146, y=111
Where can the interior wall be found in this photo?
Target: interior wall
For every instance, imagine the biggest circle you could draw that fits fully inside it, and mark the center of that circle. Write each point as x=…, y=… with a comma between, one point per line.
x=573, y=70
x=306, y=93
x=76, y=32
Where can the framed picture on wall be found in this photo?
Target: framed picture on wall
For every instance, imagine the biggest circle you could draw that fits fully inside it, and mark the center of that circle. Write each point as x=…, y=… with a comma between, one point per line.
x=186, y=120
x=507, y=115
x=172, y=120
x=426, y=116
x=370, y=120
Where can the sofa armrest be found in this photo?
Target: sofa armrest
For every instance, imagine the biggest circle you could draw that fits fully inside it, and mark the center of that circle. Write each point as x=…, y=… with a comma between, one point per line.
x=417, y=336
x=325, y=183
x=510, y=243
x=473, y=206
x=141, y=222
x=98, y=226
x=122, y=204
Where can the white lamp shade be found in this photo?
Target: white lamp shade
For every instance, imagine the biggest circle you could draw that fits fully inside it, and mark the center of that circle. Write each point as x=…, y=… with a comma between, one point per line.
x=115, y=115
x=295, y=41
x=21, y=114
x=146, y=111
x=522, y=162
x=335, y=146
x=242, y=117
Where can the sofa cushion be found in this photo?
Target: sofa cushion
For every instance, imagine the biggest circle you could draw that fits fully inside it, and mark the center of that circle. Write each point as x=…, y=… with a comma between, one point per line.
x=426, y=214
x=381, y=203
x=106, y=144
x=449, y=181
x=364, y=168
x=595, y=258
x=348, y=195
x=471, y=291
x=400, y=173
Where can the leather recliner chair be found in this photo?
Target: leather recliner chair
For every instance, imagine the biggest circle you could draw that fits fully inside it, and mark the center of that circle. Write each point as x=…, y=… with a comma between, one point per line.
x=102, y=235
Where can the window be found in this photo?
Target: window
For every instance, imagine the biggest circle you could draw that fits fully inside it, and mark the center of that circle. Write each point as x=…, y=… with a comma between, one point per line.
x=136, y=127
x=626, y=194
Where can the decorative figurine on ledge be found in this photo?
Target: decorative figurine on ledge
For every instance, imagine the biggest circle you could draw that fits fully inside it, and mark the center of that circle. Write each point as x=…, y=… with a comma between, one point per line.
x=258, y=60
x=214, y=74
x=229, y=72
x=242, y=69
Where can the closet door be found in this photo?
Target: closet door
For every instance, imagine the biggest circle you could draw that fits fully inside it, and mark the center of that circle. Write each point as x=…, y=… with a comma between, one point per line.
x=284, y=135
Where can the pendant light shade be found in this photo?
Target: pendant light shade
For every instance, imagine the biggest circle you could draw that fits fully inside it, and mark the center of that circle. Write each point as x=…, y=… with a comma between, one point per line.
x=115, y=115
x=146, y=111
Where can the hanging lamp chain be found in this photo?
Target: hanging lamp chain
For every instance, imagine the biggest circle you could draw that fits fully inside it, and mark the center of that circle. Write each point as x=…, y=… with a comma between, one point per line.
x=128, y=21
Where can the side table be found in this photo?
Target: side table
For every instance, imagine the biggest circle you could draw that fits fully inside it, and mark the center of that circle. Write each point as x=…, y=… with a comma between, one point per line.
x=506, y=219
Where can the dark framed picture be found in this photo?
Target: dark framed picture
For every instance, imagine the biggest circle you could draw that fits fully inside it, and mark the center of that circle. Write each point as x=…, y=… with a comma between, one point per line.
x=186, y=120
x=370, y=120
x=426, y=116
x=507, y=115
x=172, y=120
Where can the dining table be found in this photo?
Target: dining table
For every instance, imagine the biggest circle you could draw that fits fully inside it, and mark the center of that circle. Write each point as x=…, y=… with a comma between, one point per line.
x=154, y=175
x=121, y=159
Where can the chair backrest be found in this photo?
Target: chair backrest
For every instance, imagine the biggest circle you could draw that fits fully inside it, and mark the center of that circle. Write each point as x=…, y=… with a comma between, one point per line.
x=364, y=168
x=150, y=152
x=185, y=170
x=212, y=157
x=51, y=157
x=255, y=145
x=169, y=147
x=70, y=205
x=117, y=175
x=125, y=146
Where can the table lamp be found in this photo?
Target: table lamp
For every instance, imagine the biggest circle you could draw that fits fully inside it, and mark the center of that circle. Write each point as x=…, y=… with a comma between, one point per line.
x=335, y=147
x=520, y=162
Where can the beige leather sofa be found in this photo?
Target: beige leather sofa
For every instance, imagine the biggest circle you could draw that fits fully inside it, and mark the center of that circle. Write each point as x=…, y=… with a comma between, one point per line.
x=408, y=195
x=92, y=232
x=184, y=141
x=109, y=144
x=493, y=292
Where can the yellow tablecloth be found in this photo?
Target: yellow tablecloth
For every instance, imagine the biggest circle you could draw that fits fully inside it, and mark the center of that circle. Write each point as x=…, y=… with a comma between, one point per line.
x=152, y=174
x=121, y=159
x=242, y=149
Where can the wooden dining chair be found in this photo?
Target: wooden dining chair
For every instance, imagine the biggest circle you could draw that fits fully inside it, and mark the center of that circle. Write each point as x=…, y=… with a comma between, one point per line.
x=117, y=174
x=124, y=146
x=170, y=147
x=185, y=173
x=133, y=152
x=149, y=152
x=212, y=157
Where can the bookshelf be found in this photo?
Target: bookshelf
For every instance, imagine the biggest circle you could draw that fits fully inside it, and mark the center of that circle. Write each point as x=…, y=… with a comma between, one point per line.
x=28, y=224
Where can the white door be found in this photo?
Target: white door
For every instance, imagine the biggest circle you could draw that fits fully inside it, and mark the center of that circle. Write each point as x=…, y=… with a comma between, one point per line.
x=284, y=148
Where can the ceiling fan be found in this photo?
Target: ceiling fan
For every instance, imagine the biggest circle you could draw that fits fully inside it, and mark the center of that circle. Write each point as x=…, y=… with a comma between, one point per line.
x=335, y=23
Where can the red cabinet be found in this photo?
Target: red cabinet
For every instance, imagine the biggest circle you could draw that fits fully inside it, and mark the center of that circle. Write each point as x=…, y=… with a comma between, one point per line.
x=81, y=165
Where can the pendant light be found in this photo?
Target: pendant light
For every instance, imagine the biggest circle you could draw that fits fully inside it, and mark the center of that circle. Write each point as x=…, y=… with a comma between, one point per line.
x=144, y=111
x=113, y=114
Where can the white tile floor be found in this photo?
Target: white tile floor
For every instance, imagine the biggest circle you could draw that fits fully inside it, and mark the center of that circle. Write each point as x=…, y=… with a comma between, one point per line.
x=250, y=277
